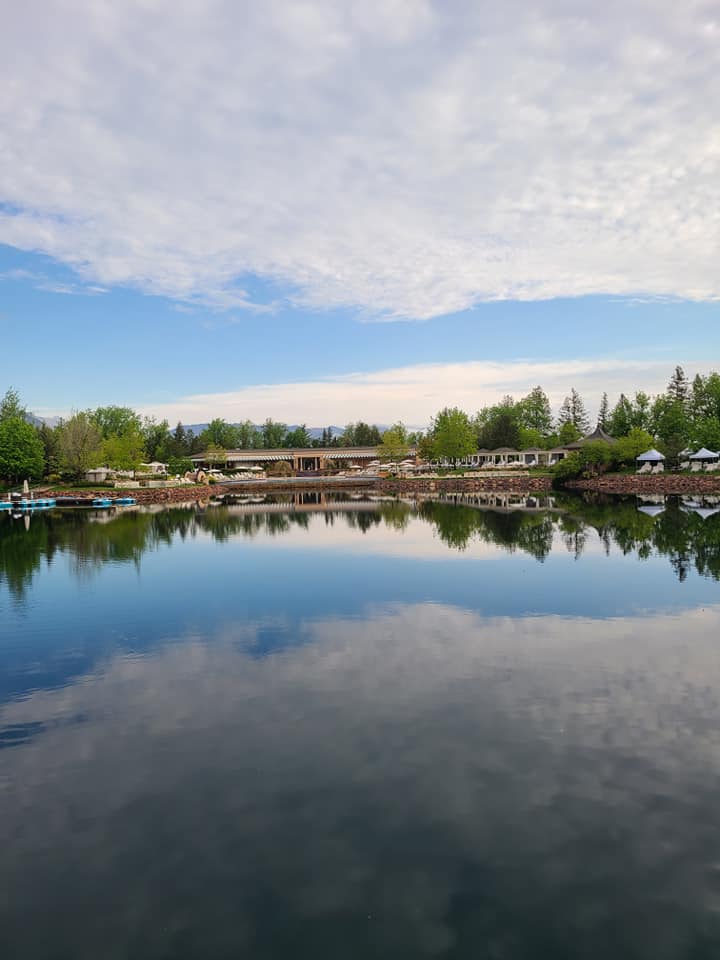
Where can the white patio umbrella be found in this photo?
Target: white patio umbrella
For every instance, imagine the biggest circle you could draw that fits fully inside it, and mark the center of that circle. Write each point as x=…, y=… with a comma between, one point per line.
x=704, y=454
x=651, y=456
x=26, y=487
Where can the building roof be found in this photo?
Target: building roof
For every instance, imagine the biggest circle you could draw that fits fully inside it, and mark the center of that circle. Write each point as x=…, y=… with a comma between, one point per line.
x=597, y=434
x=287, y=453
x=505, y=450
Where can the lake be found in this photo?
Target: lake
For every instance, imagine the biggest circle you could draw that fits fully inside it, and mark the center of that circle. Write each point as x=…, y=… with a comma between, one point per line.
x=479, y=728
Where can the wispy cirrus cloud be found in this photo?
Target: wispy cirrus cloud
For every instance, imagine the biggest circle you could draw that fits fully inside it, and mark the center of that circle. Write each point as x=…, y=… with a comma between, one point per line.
x=48, y=284
x=408, y=158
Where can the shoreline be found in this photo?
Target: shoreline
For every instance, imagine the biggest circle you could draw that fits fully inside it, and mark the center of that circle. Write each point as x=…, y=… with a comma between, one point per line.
x=620, y=484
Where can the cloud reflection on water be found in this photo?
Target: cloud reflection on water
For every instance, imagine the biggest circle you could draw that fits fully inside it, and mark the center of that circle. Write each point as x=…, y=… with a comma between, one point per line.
x=417, y=782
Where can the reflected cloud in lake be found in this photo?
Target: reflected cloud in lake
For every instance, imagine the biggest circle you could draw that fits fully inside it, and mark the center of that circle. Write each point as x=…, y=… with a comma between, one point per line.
x=414, y=784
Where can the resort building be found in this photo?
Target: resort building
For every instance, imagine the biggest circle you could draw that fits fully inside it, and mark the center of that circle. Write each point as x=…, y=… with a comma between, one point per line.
x=300, y=459
x=314, y=459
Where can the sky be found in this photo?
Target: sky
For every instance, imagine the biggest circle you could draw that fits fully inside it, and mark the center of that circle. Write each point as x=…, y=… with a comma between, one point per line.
x=326, y=210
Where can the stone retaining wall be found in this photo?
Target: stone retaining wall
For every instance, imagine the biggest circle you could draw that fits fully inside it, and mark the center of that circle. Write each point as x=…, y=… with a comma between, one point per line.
x=666, y=483
x=144, y=494
x=663, y=483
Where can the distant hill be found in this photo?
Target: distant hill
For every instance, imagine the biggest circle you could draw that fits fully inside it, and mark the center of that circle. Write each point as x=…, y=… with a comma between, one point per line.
x=315, y=432
x=39, y=421
x=197, y=428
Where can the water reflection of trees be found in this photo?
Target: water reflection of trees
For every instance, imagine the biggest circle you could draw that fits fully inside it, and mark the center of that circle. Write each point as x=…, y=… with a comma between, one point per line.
x=689, y=541
x=457, y=525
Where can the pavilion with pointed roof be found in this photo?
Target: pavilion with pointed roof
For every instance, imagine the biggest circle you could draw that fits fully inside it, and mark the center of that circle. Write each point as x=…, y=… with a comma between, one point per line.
x=597, y=434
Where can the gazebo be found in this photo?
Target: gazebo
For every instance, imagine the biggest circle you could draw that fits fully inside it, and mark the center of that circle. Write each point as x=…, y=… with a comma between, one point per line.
x=650, y=460
x=703, y=457
x=597, y=434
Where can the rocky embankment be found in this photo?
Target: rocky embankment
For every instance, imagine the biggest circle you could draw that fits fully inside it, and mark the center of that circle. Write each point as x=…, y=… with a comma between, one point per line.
x=663, y=483
x=144, y=494
x=666, y=483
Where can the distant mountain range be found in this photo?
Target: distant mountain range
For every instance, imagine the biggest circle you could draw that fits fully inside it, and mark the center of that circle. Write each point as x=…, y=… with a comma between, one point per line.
x=315, y=432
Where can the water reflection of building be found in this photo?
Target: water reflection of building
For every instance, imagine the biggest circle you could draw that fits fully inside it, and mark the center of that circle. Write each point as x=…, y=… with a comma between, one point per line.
x=502, y=502
x=306, y=501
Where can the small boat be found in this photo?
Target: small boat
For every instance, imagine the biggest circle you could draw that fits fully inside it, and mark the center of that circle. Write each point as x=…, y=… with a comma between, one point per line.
x=101, y=502
x=124, y=502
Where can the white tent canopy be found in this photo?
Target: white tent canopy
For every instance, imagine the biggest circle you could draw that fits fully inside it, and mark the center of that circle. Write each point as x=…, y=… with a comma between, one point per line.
x=651, y=456
x=706, y=512
x=651, y=510
x=704, y=454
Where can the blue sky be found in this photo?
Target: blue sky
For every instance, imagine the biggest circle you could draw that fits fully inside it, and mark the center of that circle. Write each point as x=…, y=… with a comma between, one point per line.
x=377, y=210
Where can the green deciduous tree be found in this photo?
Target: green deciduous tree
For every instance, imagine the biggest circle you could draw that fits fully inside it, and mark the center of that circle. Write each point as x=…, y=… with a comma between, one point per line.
x=80, y=444
x=670, y=424
x=248, y=436
x=533, y=412
x=628, y=448
x=531, y=438
x=21, y=450
x=498, y=425
x=361, y=434
x=394, y=444
x=115, y=421
x=641, y=411
x=297, y=438
x=273, y=434
x=50, y=439
x=453, y=436
x=158, y=440
x=705, y=432
x=568, y=433
x=219, y=433
x=125, y=451
x=11, y=407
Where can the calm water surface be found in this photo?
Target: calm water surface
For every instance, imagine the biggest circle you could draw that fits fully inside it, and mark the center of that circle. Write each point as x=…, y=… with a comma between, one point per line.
x=372, y=729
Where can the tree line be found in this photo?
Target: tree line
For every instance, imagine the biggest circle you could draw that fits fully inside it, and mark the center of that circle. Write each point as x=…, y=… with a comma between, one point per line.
x=686, y=414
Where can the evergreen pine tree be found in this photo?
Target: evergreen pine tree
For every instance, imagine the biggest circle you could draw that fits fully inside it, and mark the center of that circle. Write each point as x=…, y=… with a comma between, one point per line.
x=573, y=411
x=621, y=418
x=604, y=413
x=679, y=388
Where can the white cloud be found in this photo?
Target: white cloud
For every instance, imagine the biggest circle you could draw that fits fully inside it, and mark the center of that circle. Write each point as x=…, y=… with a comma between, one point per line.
x=414, y=393
x=409, y=158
